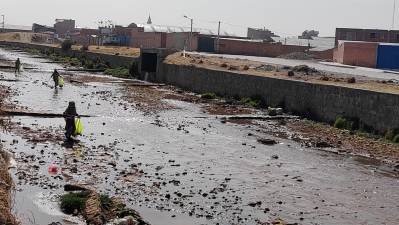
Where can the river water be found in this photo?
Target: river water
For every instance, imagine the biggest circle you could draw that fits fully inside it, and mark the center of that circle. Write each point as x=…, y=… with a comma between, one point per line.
x=182, y=166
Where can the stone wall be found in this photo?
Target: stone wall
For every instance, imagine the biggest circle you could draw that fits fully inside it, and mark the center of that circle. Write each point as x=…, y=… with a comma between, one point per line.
x=320, y=102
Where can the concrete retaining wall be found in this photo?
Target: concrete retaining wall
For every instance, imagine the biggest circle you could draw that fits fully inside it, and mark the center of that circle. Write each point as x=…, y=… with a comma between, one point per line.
x=320, y=102
x=111, y=60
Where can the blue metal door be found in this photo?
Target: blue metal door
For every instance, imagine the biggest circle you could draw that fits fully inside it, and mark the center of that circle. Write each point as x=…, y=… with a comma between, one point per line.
x=388, y=56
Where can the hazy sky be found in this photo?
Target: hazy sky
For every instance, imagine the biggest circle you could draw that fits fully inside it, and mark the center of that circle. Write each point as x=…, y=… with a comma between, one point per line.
x=285, y=17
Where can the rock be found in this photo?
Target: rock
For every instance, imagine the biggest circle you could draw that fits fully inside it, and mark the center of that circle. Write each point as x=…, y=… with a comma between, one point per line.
x=275, y=157
x=275, y=111
x=351, y=80
x=266, y=141
x=323, y=144
x=305, y=69
x=254, y=204
x=73, y=187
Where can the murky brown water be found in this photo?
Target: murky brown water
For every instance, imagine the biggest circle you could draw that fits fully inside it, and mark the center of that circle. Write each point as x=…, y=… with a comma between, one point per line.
x=177, y=169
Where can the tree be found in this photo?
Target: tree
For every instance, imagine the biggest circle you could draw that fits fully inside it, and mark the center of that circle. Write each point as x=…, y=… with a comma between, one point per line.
x=66, y=45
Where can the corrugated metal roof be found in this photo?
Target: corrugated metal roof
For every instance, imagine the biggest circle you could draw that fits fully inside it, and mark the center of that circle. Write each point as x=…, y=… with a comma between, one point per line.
x=173, y=29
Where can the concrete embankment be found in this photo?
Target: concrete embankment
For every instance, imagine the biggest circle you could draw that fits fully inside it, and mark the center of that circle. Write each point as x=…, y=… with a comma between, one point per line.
x=113, y=61
x=322, y=102
x=376, y=110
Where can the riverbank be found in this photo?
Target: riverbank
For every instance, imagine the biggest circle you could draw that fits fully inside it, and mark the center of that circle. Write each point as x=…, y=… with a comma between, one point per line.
x=6, y=183
x=159, y=147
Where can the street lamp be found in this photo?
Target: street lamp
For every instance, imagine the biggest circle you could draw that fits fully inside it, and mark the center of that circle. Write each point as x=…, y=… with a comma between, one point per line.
x=191, y=31
x=3, y=23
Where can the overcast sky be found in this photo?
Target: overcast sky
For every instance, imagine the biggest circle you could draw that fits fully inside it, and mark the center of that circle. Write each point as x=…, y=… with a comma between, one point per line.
x=285, y=17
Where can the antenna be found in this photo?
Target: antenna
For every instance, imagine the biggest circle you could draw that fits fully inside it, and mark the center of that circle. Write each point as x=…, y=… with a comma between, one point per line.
x=393, y=14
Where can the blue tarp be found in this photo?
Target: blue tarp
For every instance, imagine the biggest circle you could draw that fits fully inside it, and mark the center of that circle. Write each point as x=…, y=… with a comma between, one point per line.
x=388, y=56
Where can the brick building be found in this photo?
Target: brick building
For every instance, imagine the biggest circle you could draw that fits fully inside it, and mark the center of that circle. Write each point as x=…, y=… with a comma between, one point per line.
x=175, y=40
x=367, y=35
x=86, y=36
x=256, y=48
x=64, y=27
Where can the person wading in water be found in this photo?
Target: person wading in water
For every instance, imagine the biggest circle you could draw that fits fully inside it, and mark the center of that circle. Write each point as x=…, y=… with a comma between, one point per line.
x=17, y=66
x=56, y=78
x=69, y=115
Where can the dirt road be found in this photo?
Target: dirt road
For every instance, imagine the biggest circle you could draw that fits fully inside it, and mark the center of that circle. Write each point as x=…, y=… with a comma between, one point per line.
x=179, y=165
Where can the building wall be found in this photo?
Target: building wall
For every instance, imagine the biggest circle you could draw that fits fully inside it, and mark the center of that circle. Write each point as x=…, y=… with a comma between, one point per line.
x=388, y=56
x=368, y=35
x=174, y=41
x=146, y=40
x=357, y=54
x=63, y=27
x=206, y=43
x=37, y=28
x=324, y=55
x=317, y=101
x=177, y=41
x=338, y=56
x=241, y=47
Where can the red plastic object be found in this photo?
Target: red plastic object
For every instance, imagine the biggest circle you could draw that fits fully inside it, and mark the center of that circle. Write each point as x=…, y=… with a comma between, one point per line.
x=53, y=169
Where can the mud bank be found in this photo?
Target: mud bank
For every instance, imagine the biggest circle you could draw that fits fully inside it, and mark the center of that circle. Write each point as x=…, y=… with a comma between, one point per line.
x=379, y=111
x=113, y=61
x=6, y=187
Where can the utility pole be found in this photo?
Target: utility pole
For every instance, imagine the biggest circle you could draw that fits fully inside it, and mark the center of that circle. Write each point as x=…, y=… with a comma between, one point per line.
x=218, y=39
x=393, y=14
x=3, y=23
x=191, y=32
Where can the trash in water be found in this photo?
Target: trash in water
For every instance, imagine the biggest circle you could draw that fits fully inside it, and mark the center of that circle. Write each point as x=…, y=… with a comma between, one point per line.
x=53, y=169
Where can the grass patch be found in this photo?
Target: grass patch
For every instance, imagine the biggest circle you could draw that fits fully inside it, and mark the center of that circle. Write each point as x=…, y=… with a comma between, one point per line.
x=209, y=96
x=118, y=72
x=72, y=61
x=72, y=202
x=123, y=212
x=346, y=124
x=33, y=51
x=256, y=103
x=396, y=139
x=105, y=201
x=357, y=127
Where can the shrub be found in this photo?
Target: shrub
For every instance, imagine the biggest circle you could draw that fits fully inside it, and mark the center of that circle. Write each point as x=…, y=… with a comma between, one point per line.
x=105, y=201
x=390, y=135
x=118, y=72
x=66, y=45
x=396, y=139
x=33, y=51
x=73, y=201
x=251, y=102
x=346, y=123
x=209, y=96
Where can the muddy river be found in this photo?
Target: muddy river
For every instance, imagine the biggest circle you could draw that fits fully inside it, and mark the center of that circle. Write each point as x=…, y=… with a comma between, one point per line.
x=181, y=166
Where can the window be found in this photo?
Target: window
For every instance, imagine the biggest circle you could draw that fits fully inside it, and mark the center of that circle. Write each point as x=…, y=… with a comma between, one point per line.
x=397, y=37
x=373, y=35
